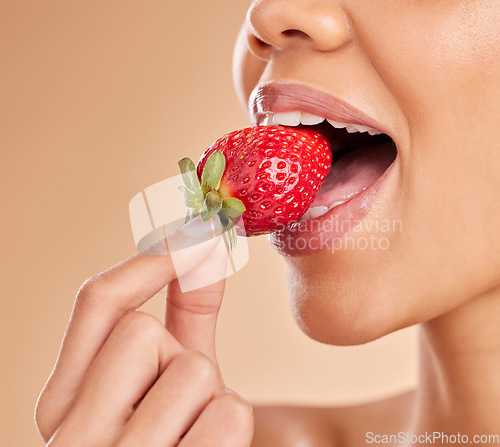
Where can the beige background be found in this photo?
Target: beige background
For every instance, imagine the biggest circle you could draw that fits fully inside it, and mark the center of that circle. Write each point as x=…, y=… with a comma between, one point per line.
x=99, y=99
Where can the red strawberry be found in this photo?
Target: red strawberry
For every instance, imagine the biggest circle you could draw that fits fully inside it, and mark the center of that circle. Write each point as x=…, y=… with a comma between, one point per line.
x=269, y=174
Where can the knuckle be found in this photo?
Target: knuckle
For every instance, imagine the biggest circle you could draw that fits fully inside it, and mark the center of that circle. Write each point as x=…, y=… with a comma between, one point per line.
x=44, y=421
x=40, y=420
x=196, y=364
x=139, y=326
x=236, y=413
x=195, y=309
x=91, y=291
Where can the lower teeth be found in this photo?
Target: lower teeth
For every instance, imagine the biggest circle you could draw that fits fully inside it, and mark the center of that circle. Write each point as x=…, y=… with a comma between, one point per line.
x=334, y=204
x=317, y=211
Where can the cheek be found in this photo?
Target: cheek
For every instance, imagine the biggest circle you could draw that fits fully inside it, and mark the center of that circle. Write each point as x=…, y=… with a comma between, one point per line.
x=432, y=53
x=445, y=73
x=354, y=296
x=442, y=67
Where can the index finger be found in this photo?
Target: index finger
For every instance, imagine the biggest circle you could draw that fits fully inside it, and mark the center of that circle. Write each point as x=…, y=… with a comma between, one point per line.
x=105, y=298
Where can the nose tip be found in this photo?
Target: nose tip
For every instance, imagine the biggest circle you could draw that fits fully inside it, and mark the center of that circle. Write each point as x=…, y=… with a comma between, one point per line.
x=319, y=25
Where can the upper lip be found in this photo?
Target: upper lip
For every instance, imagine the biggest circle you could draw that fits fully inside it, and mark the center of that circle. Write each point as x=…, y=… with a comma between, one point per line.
x=274, y=97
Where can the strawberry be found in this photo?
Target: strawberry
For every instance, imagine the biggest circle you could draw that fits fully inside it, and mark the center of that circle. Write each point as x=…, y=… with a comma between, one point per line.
x=268, y=176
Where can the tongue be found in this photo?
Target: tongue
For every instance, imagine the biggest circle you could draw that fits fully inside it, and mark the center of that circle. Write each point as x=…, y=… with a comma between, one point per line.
x=355, y=172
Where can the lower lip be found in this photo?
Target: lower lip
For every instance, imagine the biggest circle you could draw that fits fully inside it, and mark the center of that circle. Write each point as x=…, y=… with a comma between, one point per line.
x=316, y=235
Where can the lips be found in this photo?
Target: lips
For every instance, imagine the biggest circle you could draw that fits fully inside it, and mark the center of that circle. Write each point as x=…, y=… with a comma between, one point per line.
x=277, y=97
x=362, y=162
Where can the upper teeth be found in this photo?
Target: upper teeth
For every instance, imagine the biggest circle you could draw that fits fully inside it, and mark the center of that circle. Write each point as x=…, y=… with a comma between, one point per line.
x=296, y=118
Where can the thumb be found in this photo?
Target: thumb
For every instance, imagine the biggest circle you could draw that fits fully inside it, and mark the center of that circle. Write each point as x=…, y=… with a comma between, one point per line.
x=193, y=302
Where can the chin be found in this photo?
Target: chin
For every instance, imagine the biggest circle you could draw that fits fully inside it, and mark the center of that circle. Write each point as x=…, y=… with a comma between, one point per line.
x=332, y=304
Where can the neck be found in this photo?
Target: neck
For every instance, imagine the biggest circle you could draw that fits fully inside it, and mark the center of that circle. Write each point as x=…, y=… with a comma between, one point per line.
x=459, y=389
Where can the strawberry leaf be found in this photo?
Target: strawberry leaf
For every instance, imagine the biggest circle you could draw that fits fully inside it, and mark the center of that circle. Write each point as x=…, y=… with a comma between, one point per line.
x=224, y=219
x=212, y=172
x=188, y=197
x=234, y=207
x=190, y=215
x=204, y=200
x=188, y=172
x=191, y=192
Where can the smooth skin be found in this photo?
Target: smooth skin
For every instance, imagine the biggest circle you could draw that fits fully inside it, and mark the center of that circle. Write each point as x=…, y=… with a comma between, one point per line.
x=429, y=70
x=123, y=378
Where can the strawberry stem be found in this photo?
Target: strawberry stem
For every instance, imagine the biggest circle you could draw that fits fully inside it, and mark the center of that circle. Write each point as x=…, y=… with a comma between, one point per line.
x=205, y=200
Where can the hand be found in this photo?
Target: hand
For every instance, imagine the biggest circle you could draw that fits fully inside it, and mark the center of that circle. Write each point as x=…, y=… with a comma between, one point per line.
x=124, y=379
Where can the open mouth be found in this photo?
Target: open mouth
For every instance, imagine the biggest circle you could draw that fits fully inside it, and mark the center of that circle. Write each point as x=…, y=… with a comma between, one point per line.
x=360, y=156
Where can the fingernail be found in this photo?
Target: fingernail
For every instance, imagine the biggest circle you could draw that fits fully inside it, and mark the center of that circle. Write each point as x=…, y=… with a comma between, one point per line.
x=193, y=233
x=230, y=391
x=199, y=229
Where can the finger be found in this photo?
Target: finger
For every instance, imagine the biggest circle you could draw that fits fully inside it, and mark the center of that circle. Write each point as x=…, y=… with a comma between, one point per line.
x=174, y=402
x=137, y=351
x=225, y=422
x=192, y=316
x=103, y=299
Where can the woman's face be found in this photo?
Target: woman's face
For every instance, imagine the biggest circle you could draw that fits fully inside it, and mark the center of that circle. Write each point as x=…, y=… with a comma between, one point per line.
x=427, y=73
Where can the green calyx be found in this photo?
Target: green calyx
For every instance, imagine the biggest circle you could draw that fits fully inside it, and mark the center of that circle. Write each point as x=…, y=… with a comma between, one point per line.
x=204, y=199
